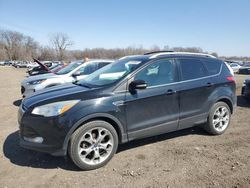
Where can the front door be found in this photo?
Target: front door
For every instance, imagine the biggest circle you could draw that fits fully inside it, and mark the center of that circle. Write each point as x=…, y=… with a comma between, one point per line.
x=154, y=110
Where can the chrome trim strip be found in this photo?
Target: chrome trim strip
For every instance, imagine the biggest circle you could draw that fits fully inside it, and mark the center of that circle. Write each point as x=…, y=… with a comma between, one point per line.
x=179, y=82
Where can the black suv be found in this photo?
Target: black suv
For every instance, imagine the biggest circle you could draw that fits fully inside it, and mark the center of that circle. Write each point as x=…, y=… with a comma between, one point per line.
x=135, y=97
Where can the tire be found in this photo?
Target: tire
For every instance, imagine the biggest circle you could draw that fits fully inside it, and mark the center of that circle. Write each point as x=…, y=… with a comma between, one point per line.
x=216, y=115
x=85, y=145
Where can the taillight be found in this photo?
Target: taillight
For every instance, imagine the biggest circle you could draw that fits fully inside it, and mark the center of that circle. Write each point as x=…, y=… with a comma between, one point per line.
x=230, y=78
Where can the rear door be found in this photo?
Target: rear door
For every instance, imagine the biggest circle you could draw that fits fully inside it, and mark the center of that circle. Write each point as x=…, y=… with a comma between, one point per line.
x=196, y=86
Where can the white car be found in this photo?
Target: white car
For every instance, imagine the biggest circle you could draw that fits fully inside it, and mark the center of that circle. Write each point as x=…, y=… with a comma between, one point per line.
x=76, y=70
x=236, y=67
x=230, y=68
x=32, y=65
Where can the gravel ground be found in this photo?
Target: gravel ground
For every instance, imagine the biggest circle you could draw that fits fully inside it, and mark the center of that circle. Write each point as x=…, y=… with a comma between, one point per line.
x=188, y=158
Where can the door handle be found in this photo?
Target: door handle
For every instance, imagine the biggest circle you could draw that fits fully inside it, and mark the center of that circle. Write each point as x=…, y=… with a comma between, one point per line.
x=170, y=92
x=209, y=84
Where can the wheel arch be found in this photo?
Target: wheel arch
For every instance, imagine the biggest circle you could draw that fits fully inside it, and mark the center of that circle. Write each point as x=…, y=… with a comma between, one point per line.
x=228, y=102
x=122, y=136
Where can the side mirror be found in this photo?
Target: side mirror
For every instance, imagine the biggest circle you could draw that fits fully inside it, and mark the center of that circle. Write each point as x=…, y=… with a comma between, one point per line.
x=137, y=84
x=77, y=73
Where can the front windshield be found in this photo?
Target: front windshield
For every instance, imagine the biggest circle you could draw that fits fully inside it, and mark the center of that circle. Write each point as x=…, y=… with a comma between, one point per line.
x=112, y=72
x=69, y=67
x=53, y=66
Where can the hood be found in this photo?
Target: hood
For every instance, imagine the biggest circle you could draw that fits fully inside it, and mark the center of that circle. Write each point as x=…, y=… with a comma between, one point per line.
x=57, y=93
x=41, y=65
x=40, y=77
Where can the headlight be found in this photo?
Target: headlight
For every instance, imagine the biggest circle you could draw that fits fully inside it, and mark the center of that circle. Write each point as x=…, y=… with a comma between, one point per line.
x=36, y=82
x=244, y=83
x=54, y=109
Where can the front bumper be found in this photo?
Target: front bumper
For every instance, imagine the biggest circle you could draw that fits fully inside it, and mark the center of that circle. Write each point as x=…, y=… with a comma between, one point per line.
x=53, y=130
x=42, y=148
x=27, y=90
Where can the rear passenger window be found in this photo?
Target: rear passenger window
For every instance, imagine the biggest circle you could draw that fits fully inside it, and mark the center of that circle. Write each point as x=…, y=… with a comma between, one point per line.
x=213, y=66
x=192, y=69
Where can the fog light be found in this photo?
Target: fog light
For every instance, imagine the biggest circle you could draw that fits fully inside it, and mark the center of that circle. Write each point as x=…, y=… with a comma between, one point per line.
x=35, y=140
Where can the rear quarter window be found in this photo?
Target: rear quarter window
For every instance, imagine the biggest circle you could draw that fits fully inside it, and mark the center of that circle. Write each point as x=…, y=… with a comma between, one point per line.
x=213, y=65
x=192, y=68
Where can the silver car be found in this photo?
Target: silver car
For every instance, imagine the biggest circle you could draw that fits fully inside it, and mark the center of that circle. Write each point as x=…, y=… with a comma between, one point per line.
x=76, y=70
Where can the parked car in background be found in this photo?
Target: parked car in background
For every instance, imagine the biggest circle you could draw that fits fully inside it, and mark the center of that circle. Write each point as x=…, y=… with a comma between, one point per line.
x=58, y=67
x=135, y=97
x=74, y=71
x=3, y=63
x=20, y=64
x=245, y=69
x=229, y=67
x=235, y=67
x=42, y=67
x=245, y=91
x=31, y=65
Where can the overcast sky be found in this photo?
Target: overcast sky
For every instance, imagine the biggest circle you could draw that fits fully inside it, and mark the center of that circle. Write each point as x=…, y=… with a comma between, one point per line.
x=222, y=26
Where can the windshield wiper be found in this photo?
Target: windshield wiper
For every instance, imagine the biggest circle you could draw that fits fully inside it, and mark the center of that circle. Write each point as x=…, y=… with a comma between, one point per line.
x=83, y=85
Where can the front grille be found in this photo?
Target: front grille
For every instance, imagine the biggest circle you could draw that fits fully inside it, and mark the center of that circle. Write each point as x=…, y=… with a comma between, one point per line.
x=28, y=132
x=22, y=89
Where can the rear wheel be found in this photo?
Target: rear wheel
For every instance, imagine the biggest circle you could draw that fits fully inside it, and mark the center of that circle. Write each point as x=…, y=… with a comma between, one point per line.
x=218, y=119
x=93, y=145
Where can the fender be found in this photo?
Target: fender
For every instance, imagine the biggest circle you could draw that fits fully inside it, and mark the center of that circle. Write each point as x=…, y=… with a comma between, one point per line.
x=221, y=98
x=219, y=94
x=232, y=104
x=124, y=136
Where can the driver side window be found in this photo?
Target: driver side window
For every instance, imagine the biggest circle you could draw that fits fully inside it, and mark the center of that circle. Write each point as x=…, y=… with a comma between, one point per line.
x=88, y=69
x=158, y=73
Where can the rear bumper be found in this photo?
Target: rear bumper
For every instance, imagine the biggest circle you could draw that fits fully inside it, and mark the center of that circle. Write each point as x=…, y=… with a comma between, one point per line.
x=245, y=91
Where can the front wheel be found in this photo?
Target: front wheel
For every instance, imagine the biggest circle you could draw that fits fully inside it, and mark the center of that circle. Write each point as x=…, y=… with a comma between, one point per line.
x=218, y=119
x=93, y=145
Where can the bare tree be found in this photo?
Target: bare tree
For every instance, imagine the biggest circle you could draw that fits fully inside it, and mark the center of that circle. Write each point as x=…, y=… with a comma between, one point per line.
x=30, y=48
x=46, y=53
x=18, y=46
x=214, y=54
x=3, y=55
x=11, y=41
x=60, y=42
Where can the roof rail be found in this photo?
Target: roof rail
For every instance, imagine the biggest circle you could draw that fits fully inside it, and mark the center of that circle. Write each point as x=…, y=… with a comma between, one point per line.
x=127, y=56
x=155, y=52
x=181, y=53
